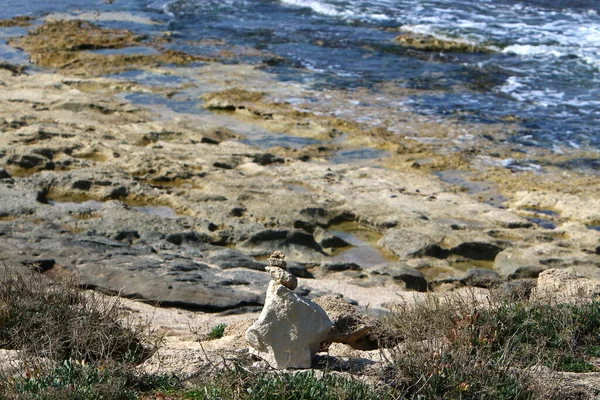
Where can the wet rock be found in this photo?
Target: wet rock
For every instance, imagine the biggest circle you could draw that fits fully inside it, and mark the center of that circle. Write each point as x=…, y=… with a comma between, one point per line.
x=349, y=326
x=430, y=43
x=64, y=44
x=410, y=277
x=230, y=99
x=20, y=20
x=13, y=68
x=481, y=277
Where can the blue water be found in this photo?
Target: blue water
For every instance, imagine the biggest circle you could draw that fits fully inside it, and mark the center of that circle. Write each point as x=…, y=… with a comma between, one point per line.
x=545, y=69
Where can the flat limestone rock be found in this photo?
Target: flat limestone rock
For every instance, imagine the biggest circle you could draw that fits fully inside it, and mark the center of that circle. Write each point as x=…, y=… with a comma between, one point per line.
x=289, y=331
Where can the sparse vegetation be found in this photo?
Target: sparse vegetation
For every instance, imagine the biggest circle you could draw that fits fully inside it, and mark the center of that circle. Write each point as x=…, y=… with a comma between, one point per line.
x=473, y=349
x=71, y=343
x=216, y=332
x=58, y=321
x=238, y=383
x=79, y=345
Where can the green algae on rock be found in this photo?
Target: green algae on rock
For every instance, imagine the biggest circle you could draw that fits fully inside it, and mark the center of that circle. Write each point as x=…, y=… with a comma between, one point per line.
x=68, y=45
x=431, y=43
x=21, y=20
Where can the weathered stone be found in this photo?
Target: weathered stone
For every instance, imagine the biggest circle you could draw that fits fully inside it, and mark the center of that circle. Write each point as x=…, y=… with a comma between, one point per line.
x=289, y=331
x=283, y=277
x=328, y=240
x=518, y=289
x=277, y=259
x=349, y=326
x=4, y=174
x=410, y=277
x=431, y=43
x=566, y=285
x=229, y=258
x=180, y=238
x=267, y=159
x=299, y=270
x=13, y=68
x=407, y=243
x=481, y=277
x=25, y=161
x=340, y=266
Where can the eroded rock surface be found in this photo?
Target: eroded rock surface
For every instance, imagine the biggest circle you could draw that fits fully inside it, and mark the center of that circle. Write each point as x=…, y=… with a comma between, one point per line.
x=349, y=326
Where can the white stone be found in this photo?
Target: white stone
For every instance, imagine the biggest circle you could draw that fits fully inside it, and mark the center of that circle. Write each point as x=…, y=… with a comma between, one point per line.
x=289, y=331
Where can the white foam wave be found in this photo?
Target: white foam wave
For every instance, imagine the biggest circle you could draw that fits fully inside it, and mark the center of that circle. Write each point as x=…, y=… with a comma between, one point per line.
x=162, y=5
x=532, y=50
x=346, y=12
x=316, y=6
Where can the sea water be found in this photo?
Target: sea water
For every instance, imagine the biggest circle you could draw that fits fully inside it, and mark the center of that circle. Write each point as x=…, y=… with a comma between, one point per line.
x=543, y=68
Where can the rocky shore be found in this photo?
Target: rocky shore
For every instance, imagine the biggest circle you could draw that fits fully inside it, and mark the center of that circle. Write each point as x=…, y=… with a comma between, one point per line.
x=179, y=202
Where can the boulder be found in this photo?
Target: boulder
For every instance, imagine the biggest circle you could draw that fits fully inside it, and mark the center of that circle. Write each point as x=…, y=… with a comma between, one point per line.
x=566, y=285
x=349, y=326
x=407, y=243
x=289, y=331
x=410, y=277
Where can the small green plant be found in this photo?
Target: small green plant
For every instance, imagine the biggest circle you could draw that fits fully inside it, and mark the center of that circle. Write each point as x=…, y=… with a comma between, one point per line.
x=216, y=332
x=236, y=383
x=79, y=380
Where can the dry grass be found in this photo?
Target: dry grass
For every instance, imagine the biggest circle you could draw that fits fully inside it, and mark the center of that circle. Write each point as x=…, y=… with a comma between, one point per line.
x=66, y=339
x=467, y=348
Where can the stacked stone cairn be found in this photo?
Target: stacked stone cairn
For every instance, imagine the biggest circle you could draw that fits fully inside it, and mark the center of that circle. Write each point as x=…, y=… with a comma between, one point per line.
x=290, y=329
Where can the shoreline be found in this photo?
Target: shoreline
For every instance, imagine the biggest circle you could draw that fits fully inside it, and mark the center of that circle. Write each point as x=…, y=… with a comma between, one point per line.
x=151, y=202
